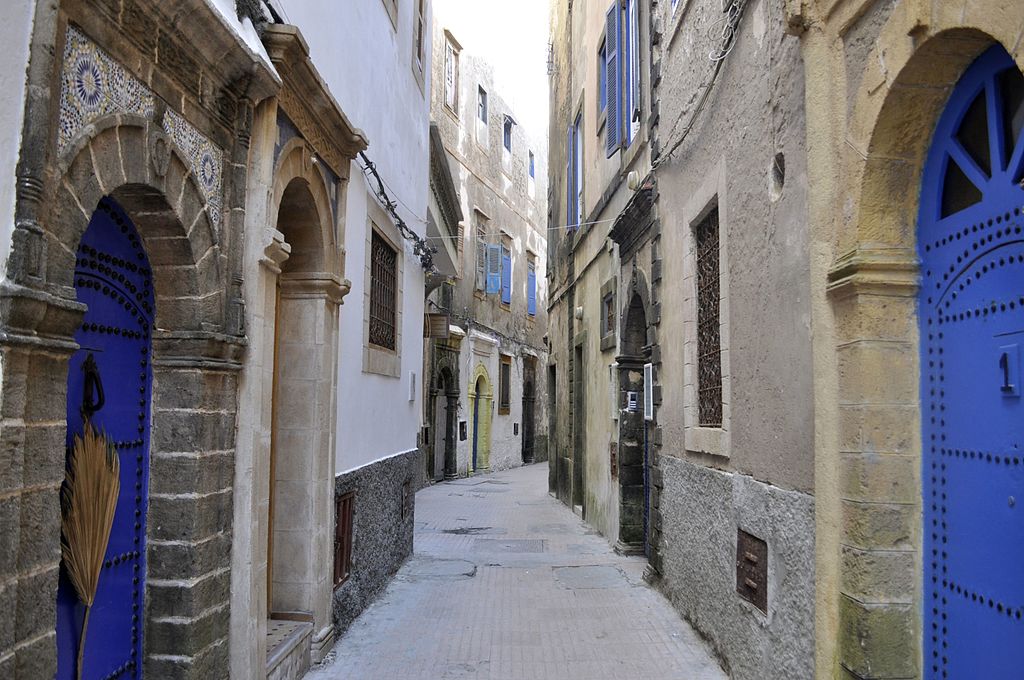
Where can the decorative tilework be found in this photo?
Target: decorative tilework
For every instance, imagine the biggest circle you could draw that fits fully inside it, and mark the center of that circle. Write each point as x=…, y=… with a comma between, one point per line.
x=94, y=85
x=203, y=155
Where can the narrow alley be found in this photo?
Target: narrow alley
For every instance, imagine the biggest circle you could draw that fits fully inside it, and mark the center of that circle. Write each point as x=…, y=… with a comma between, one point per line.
x=506, y=583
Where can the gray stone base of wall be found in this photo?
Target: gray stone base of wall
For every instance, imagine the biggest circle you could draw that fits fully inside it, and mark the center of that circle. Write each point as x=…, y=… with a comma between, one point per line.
x=701, y=510
x=381, y=535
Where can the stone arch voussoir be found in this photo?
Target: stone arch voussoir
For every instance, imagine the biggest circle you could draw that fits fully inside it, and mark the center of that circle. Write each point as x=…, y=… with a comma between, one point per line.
x=131, y=159
x=296, y=162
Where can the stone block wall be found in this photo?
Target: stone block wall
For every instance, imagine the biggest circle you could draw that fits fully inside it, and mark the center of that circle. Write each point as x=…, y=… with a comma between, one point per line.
x=381, y=535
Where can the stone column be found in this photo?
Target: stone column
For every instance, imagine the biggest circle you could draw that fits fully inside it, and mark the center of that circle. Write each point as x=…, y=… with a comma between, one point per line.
x=450, y=436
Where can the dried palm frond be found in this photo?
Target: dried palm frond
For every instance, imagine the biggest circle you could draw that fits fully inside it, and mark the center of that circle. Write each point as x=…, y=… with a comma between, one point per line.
x=88, y=501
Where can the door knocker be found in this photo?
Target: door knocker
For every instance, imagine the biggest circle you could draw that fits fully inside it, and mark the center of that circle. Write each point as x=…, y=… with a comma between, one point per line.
x=92, y=388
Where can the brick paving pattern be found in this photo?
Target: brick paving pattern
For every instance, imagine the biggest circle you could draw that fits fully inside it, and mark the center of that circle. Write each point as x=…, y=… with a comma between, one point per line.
x=507, y=584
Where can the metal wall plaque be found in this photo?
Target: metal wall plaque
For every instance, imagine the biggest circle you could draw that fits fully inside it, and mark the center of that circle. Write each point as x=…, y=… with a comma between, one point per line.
x=752, y=569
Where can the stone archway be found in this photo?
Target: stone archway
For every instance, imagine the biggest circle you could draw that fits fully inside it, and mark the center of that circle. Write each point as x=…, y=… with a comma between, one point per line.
x=867, y=474
x=638, y=532
x=131, y=160
x=481, y=399
x=301, y=289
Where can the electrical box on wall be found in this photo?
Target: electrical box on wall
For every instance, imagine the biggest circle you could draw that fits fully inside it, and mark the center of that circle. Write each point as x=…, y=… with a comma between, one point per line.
x=752, y=569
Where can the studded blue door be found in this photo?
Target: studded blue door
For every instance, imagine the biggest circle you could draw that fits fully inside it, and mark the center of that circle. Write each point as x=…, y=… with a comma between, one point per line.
x=112, y=277
x=972, y=331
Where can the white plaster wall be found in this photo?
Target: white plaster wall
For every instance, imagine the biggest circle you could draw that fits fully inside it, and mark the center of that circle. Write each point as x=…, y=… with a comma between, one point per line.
x=370, y=73
x=15, y=35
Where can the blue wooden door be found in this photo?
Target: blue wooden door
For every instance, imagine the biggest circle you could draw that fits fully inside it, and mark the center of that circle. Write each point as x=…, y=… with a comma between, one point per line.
x=113, y=278
x=971, y=307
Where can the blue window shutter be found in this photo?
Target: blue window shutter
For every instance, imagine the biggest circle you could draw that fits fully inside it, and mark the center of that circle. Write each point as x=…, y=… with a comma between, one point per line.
x=506, y=276
x=531, y=290
x=613, y=89
x=493, y=269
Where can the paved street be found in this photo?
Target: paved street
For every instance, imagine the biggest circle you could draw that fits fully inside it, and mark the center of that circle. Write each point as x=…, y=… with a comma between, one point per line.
x=507, y=584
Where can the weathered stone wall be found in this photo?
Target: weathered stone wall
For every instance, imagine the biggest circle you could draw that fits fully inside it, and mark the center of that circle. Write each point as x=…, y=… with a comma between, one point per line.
x=744, y=154
x=381, y=534
x=702, y=509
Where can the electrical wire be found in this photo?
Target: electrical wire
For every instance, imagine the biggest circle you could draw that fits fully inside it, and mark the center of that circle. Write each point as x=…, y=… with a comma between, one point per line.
x=424, y=251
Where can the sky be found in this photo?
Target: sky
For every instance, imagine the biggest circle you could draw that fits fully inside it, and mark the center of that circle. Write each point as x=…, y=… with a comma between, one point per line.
x=513, y=37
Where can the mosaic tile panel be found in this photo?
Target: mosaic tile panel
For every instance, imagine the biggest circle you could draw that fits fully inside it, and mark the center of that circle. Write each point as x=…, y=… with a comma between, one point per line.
x=94, y=85
x=206, y=159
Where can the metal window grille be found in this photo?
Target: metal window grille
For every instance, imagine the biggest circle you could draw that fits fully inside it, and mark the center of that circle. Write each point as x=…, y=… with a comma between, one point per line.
x=709, y=343
x=383, y=261
x=505, y=385
x=343, y=506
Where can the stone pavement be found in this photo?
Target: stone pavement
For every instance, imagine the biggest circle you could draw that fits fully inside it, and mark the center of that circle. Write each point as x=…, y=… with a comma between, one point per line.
x=507, y=584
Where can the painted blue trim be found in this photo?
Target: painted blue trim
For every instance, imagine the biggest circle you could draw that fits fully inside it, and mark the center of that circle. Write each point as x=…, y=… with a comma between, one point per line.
x=971, y=314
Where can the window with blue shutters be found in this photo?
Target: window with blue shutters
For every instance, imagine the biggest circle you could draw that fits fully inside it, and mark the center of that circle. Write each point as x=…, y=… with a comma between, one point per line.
x=613, y=80
x=493, y=269
x=506, y=275
x=531, y=287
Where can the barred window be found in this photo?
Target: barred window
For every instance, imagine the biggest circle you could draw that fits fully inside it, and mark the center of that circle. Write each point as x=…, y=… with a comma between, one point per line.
x=709, y=343
x=343, y=536
x=505, y=385
x=383, y=262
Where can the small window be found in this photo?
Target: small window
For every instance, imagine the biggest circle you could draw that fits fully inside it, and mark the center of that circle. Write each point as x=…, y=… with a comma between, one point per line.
x=419, y=31
x=574, y=179
x=709, y=343
x=343, y=506
x=602, y=77
x=533, y=170
x=451, y=77
x=608, y=315
x=481, y=104
x=383, y=263
x=505, y=385
x=507, y=133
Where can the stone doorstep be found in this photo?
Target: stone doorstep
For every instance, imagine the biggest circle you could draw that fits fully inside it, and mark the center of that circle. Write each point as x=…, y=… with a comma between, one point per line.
x=288, y=648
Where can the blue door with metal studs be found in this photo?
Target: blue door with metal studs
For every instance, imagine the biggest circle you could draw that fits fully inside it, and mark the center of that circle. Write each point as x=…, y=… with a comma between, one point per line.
x=971, y=308
x=109, y=382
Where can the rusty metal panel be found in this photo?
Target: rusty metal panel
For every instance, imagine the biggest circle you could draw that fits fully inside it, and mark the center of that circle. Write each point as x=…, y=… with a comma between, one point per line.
x=752, y=569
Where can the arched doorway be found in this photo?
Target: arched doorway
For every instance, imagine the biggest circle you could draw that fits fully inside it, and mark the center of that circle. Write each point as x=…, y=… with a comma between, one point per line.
x=480, y=398
x=634, y=468
x=109, y=384
x=971, y=303
x=305, y=301
x=529, y=403
x=446, y=408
